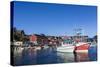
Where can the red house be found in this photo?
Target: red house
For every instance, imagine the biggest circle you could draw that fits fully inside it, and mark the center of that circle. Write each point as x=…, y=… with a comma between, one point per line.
x=33, y=38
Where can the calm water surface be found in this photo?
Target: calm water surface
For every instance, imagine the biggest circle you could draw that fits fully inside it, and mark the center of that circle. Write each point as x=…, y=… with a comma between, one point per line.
x=50, y=56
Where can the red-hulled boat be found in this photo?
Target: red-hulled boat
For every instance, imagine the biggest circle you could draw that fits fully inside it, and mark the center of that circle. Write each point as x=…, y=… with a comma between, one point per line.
x=82, y=47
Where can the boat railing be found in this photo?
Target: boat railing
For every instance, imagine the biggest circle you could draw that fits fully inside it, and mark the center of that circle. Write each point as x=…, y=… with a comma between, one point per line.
x=92, y=43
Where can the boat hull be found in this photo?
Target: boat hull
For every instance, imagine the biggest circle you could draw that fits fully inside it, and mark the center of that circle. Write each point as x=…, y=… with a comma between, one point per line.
x=66, y=49
x=82, y=47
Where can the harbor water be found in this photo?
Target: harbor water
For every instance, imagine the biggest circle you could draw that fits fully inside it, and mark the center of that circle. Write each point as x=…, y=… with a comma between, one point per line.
x=30, y=56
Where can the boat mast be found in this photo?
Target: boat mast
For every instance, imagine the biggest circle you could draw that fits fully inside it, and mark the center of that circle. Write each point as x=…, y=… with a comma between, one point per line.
x=78, y=34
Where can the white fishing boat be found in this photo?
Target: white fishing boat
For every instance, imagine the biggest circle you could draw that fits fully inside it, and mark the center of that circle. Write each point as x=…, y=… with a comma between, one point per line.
x=66, y=48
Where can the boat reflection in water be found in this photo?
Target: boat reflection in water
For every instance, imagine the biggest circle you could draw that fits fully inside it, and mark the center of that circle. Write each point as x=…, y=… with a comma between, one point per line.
x=31, y=56
x=80, y=57
x=66, y=57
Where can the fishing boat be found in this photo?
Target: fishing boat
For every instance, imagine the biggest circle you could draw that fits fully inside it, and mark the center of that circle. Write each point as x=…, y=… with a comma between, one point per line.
x=66, y=45
x=66, y=48
x=82, y=47
x=81, y=44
